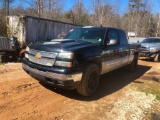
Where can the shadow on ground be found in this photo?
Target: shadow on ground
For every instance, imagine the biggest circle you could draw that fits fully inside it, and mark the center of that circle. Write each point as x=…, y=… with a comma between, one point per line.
x=109, y=83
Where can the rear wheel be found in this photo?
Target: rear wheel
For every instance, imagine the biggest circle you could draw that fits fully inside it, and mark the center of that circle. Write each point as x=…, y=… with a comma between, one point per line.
x=90, y=80
x=132, y=66
x=157, y=58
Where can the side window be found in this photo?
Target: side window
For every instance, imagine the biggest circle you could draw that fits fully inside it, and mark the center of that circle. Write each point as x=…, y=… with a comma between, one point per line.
x=112, y=34
x=122, y=37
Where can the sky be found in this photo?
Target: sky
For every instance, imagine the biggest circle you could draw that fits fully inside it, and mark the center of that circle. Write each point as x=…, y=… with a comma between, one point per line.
x=68, y=4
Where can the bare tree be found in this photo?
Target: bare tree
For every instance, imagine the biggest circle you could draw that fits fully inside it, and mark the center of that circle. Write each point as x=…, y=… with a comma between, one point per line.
x=3, y=13
x=139, y=18
x=103, y=13
x=6, y=5
x=46, y=8
x=78, y=14
x=158, y=25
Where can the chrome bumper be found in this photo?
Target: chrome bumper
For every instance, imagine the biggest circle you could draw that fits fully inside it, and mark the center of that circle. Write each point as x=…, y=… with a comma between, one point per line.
x=63, y=77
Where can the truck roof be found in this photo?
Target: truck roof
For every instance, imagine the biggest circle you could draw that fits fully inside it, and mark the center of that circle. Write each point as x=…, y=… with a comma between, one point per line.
x=154, y=37
x=98, y=27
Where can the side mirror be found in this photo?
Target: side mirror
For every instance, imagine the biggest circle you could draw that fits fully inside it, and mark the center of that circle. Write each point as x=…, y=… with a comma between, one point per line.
x=112, y=42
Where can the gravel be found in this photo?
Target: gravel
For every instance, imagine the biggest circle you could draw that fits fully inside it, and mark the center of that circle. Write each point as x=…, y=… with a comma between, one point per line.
x=132, y=106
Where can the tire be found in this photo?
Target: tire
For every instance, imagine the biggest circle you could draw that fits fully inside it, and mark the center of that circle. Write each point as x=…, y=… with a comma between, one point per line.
x=3, y=58
x=132, y=66
x=90, y=80
x=157, y=58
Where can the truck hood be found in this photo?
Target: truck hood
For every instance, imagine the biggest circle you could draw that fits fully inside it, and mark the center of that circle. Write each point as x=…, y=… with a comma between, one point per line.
x=58, y=45
x=150, y=45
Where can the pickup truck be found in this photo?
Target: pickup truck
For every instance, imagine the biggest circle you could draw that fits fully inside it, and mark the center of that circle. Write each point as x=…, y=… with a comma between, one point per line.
x=77, y=60
x=150, y=48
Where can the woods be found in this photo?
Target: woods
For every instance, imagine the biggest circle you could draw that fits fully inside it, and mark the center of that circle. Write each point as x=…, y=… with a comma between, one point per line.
x=138, y=17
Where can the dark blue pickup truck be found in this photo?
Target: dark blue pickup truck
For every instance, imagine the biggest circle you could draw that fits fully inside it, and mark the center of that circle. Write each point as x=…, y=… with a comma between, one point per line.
x=78, y=60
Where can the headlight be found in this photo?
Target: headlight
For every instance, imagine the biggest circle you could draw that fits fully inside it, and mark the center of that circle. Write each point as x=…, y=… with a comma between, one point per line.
x=153, y=50
x=26, y=55
x=63, y=64
x=66, y=55
x=27, y=49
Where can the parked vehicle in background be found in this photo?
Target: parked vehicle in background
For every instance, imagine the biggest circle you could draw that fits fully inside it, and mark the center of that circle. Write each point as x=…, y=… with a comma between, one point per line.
x=131, y=34
x=135, y=39
x=27, y=29
x=150, y=48
x=78, y=60
x=8, y=49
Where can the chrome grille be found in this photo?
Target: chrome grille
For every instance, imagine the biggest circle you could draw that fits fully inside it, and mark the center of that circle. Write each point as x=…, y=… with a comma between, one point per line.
x=43, y=53
x=42, y=61
x=145, y=49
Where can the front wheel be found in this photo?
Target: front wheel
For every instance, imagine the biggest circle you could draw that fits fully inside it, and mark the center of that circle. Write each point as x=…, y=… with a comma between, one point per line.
x=90, y=80
x=157, y=58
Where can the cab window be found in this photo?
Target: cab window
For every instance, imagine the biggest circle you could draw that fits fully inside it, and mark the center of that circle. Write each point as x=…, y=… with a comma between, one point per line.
x=112, y=34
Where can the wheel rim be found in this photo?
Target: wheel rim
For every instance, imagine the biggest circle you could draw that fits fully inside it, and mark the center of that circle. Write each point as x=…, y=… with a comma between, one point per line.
x=92, y=82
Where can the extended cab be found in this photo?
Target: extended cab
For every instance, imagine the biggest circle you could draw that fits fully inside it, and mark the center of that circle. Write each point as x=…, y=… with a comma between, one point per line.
x=78, y=60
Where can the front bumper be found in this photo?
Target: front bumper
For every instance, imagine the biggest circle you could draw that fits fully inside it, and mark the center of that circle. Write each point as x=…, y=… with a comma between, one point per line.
x=68, y=81
x=148, y=54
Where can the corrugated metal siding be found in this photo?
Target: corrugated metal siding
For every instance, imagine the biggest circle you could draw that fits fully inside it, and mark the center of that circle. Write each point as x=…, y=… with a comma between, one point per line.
x=41, y=30
x=29, y=29
x=5, y=43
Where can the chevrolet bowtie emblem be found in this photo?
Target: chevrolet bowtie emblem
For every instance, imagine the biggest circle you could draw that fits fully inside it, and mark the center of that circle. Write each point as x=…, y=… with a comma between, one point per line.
x=38, y=56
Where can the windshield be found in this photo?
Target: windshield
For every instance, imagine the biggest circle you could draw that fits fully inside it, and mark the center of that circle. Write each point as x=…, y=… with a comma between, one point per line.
x=151, y=40
x=94, y=35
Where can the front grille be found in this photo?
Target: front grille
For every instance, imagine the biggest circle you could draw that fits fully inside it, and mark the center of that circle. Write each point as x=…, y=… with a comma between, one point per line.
x=46, y=58
x=145, y=49
x=41, y=61
x=43, y=53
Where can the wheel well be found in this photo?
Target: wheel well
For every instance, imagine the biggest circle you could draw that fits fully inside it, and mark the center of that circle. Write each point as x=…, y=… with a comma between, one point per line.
x=96, y=61
x=22, y=53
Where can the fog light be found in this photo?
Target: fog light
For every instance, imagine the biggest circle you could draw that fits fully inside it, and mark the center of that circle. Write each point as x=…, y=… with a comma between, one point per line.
x=26, y=55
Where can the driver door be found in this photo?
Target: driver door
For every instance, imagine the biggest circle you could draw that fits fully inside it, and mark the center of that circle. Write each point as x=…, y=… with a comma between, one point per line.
x=111, y=58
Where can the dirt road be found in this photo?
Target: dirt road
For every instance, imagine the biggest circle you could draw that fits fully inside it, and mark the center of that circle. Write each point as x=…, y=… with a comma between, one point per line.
x=22, y=97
